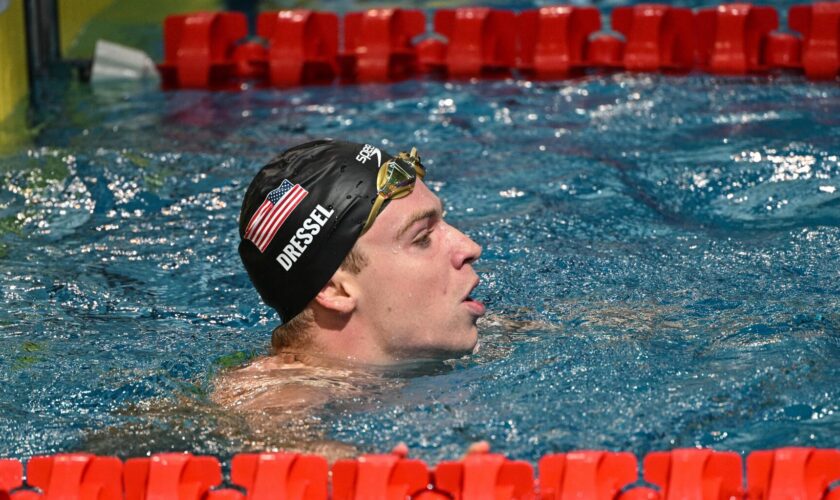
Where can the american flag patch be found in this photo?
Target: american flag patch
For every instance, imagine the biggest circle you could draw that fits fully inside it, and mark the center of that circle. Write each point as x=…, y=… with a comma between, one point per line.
x=274, y=211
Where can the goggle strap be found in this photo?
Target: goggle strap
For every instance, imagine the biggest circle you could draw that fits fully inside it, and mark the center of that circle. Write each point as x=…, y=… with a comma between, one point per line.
x=413, y=159
x=374, y=211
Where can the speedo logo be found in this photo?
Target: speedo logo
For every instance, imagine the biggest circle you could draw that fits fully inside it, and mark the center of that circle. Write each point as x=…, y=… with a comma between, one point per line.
x=367, y=153
x=304, y=236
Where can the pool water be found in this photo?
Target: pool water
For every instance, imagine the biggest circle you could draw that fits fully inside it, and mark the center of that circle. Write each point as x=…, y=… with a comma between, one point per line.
x=660, y=265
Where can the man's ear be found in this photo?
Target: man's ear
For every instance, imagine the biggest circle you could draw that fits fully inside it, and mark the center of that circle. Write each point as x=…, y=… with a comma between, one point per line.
x=339, y=294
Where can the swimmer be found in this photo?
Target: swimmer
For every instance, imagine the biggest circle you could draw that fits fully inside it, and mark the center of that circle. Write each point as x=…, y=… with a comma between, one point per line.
x=350, y=247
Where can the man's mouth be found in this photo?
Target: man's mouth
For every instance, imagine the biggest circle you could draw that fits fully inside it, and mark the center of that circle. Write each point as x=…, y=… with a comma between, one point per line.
x=476, y=307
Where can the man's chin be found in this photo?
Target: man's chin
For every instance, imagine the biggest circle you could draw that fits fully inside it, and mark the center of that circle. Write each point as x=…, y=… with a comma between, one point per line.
x=470, y=346
x=456, y=352
x=475, y=341
x=465, y=343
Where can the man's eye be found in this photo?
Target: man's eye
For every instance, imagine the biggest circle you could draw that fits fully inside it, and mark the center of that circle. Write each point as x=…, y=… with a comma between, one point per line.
x=424, y=240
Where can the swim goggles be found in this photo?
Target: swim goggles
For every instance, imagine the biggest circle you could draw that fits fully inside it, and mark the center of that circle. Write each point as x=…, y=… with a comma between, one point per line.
x=395, y=180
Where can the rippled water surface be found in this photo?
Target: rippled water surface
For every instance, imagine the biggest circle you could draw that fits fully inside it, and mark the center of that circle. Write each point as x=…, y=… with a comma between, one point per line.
x=660, y=262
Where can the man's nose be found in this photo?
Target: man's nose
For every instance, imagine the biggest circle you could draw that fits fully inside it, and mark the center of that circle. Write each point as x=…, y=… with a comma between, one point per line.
x=465, y=250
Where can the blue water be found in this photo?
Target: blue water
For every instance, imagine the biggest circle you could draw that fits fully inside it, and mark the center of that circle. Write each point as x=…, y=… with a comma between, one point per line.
x=660, y=265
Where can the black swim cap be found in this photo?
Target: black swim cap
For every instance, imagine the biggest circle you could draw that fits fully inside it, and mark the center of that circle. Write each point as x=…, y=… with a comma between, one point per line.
x=301, y=216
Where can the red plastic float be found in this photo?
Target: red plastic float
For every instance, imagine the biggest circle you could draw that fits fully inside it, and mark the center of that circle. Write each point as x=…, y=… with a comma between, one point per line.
x=385, y=477
x=267, y=476
x=76, y=475
x=302, y=46
x=553, y=40
x=784, y=51
x=702, y=474
x=695, y=473
x=793, y=473
x=731, y=38
x=11, y=477
x=605, y=52
x=210, y=50
x=485, y=476
x=198, y=49
x=378, y=44
x=170, y=475
x=820, y=27
x=598, y=475
x=481, y=42
x=658, y=37
x=250, y=60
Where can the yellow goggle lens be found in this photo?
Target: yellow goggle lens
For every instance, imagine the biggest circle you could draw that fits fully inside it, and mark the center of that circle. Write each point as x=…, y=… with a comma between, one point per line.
x=396, y=179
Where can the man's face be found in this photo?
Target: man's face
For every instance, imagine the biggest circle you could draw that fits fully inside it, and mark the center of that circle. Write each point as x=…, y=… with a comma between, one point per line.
x=416, y=285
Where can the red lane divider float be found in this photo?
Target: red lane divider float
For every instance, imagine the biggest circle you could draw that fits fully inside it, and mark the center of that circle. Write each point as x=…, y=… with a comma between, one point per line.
x=198, y=49
x=268, y=476
x=485, y=476
x=659, y=37
x=378, y=44
x=11, y=477
x=179, y=476
x=701, y=474
x=793, y=473
x=299, y=47
x=302, y=46
x=693, y=473
x=731, y=37
x=383, y=477
x=784, y=51
x=586, y=474
x=482, y=41
x=606, y=52
x=553, y=41
x=76, y=475
x=820, y=27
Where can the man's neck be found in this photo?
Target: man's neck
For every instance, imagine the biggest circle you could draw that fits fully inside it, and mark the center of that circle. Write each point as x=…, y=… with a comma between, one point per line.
x=345, y=341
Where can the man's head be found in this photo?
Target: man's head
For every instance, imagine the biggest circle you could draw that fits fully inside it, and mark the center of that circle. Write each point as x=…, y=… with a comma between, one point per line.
x=397, y=290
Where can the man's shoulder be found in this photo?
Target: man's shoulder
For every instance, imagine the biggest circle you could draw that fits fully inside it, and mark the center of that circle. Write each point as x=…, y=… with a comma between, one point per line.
x=281, y=383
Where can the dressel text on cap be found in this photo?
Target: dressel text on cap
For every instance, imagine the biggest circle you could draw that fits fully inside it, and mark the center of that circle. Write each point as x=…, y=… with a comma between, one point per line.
x=304, y=236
